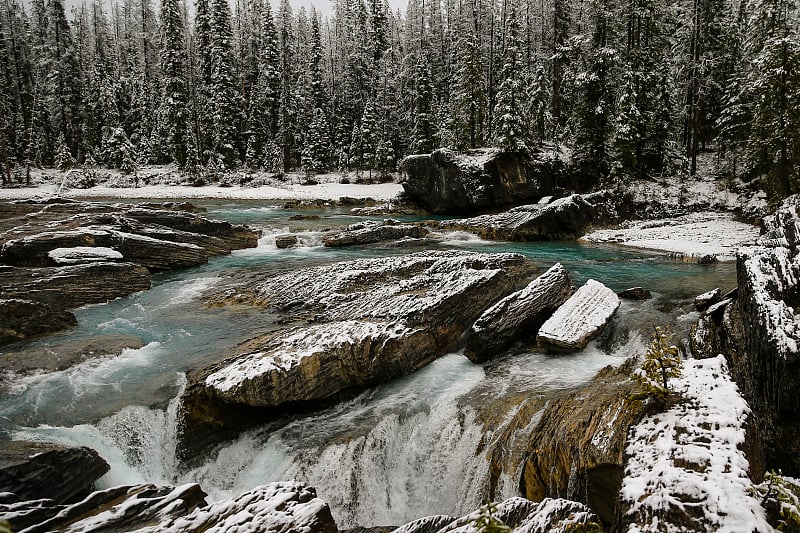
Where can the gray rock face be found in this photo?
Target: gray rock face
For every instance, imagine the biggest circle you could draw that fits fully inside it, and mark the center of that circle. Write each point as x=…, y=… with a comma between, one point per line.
x=450, y=182
x=635, y=293
x=370, y=321
x=369, y=233
x=580, y=318
x=283, y=507
x=518, y=315
x=21, y=319
x=33, y=470
x=562, y=219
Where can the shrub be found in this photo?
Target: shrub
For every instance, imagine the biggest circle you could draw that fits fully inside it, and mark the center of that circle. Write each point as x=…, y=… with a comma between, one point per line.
x=661, y=363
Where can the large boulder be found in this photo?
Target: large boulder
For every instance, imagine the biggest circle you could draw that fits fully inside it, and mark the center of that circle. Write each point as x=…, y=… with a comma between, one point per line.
x=580, y=318
x=562, y=219
x=518, y=315
x=452, y=182
x=35, y=470
x=20, y=319
x=282, y=507
x=577, y=448
x=371, y=320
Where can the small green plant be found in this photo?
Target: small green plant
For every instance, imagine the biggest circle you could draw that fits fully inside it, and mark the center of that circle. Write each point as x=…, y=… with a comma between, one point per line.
x=780, y=497
x=487, y=522
x=662, y=362
x=5, y=527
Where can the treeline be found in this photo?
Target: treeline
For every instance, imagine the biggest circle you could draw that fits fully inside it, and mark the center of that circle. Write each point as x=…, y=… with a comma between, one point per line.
x=634, y=88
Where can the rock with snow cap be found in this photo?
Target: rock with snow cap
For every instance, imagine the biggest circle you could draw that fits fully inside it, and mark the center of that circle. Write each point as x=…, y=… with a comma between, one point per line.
x=565, y=218
x=449, y=182
x=369, y=233
x=703, y=301
x=366, y=321
x=580, y=318
x=518, y=315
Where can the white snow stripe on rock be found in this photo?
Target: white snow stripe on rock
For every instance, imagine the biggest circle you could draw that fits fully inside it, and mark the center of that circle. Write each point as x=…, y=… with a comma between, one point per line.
x=580, y=318
x=83, y=254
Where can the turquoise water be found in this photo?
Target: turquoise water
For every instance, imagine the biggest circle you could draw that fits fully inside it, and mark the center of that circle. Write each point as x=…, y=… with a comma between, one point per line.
x=373, y=458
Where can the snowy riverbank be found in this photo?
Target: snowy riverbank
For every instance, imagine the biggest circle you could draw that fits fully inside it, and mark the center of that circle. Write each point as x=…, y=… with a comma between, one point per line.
x=693, y=237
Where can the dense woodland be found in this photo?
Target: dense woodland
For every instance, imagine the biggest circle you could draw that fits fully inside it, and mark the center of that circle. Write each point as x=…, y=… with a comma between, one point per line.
x=632, y=88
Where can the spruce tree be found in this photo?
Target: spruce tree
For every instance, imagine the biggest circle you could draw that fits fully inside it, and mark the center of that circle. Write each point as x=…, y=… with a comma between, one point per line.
x=424, y=130
x=223, y=96
x=174, y=99
x=468, y=98
x=510, y=128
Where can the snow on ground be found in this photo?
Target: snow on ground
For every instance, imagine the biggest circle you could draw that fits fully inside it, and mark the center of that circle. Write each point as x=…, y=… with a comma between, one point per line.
x=686, y=463
x=692, y=236
x=321, y=191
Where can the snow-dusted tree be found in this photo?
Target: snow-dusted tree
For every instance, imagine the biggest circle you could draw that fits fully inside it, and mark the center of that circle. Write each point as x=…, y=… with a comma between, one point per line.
x=223, y=96
x=510, y=129
x=467, y=110
x=264, y=109
x=316, y=153
x=424, y=131
x=288, y=113
x=175, y=97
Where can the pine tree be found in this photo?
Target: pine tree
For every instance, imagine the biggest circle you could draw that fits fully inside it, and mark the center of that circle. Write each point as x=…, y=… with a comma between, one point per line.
x=424, y=130
x=223, y=97
x=265, y=103
x=467, y=110
x=317, y=149
x=175, y=97
x=510, y=128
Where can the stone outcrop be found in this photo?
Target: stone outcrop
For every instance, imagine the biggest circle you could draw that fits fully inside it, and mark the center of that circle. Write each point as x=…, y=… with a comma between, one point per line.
x=635, y=293
x=518, y=315
x=373, y=232
x=580, y=318
x=282, y=507
x=61, y=354
x=518, y=514
x=21, y=319
x=756, y=328
x=34, y=470
x=366, y=322
x=450, y=182
x=562, y=219
x=576, y=450
x=285, y=241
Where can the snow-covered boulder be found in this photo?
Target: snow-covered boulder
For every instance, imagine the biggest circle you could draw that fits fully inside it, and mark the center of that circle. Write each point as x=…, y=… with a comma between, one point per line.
x=365, y=322
x=580, y=318
x=686, y=469
x=372, y=232
x=463, y=182
x=518, y=315
x=576, y=449
x=564, y=218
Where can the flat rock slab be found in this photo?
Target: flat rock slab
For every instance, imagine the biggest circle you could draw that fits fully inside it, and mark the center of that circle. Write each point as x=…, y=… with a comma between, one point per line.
x=35, y=470
x=21, y=319
x=366, y=322
x=55, y=355
x=518, y=315
x=581, y=317
x=370, y=233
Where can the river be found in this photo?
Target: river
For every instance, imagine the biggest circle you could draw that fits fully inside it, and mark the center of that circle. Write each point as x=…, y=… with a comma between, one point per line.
x=405, y=449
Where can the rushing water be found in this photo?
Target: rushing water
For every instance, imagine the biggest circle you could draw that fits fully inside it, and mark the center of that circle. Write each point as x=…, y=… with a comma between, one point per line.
x=405, y=449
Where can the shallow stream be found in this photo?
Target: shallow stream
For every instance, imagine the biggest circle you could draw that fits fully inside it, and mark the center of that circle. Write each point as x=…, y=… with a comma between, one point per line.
x=409, y=448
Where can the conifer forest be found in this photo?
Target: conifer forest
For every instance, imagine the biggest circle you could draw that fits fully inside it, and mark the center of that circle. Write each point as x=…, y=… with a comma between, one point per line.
x=630, y=89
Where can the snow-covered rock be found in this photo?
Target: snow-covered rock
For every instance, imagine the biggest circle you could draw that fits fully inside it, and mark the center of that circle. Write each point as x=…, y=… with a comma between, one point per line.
x=565, y=218
x=518, y=315
x=708, y=298
x=580, y=318
x=372, y=232
x=686, y=469
x=451, y=182
x=367, y=321
x=83, y=254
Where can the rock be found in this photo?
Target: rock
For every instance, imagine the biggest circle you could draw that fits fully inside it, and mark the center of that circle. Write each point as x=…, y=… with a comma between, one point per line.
x=59, y=355
x=72, y=286
x=21, y=319
x=428, y=524
x=35, y=470
x=369, y=233
x=450, y=182
x=563, y=219
x=235, y=236
x=83, y=254
x=286, y=241
x=518, y=315
x=580, y=318
x=125, y=508
x=635, y=293
x=703, y=301
x=303, y=217
x=576, y=450
x=686, y=469
x=372, y=320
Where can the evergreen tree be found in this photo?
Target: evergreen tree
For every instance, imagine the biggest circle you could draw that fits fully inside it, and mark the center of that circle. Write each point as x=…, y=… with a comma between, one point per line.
x=511, y=126
x=467, y=110
x=424, y=131
x=317, y=149
x=223, y=97
x=175, y=97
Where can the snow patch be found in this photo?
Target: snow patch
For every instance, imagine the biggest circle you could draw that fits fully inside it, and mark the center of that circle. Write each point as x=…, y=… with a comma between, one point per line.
x=83, y=254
